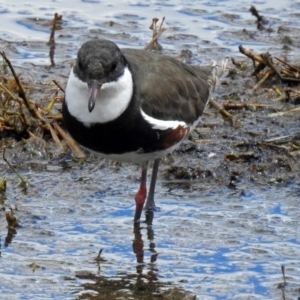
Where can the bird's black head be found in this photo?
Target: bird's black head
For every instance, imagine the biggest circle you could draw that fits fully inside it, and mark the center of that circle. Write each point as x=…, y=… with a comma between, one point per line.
x=99, y=62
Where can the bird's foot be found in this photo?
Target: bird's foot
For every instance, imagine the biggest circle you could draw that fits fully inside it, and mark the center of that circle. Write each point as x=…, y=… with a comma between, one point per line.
x=152, y=207
x=149, y=214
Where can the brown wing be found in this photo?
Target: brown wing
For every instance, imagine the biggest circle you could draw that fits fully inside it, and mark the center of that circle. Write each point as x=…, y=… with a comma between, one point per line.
x=169, y=89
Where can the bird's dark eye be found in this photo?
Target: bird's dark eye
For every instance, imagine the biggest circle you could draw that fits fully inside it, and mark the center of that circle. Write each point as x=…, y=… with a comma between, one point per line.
x=79, y=64
x=114, y=66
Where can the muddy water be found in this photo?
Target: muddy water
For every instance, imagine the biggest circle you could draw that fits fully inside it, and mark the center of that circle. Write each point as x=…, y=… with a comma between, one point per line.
x=208, y=239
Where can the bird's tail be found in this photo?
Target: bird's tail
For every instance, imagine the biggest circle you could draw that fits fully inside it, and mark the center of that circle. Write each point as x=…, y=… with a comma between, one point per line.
x=216, y=73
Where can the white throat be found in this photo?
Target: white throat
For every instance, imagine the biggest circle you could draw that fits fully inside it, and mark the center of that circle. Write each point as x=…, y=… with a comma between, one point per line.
x=112, y=100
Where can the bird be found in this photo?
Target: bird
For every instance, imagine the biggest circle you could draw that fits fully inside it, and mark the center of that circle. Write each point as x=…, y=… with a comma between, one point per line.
x=134, y=105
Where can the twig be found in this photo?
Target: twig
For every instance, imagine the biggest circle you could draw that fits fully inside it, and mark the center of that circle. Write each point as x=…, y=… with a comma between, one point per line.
x=289, y=73
x=260, y=19
x=8, y=92
x=34, y=112
x=50, y=105
x=294, y=147
x=268, y=59
x=70, y=142
x=38, y=115
x=290, y=66
x=251, y=55
x=283, y=139
x=285, y=113
x=291, y=90
x=58, y=85
x=52, y=34
x=265, y=77
x=272, y=146
x=239, y=156
x=23, y=181
x=161, y=24
x=282, y=97
x=257, y=69
x=6, y=128
x=244, y=105
x=221, y=110
x=20, y=86
x=160, y=32
x=55, y=137
x=51, y=42
x=3, y=184
x=153, y=25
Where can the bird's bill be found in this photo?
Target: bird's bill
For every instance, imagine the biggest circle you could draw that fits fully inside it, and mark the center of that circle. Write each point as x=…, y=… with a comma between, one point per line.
x=94, y=88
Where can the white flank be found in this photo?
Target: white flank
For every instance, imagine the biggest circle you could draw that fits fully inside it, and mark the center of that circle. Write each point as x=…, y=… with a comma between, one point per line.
x=112, y=100
x=140, y=156
x=161, y=124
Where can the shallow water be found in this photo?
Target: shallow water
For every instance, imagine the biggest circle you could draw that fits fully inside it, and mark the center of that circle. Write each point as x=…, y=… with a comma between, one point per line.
x=213, y=241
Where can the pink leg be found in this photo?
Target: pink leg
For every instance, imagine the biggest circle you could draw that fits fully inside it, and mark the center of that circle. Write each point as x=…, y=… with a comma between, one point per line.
x=141, y=194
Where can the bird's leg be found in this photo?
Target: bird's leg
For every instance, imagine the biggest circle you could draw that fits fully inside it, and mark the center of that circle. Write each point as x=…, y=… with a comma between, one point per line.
x=141, y=194
x=150, y=205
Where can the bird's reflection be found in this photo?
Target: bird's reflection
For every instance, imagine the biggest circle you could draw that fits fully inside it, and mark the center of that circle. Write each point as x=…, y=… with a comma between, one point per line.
x=138, y=250
x=143, y=284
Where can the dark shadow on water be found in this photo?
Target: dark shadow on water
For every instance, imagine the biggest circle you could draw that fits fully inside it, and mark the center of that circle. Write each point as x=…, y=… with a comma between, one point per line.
x=142, y=284
x=11, y=233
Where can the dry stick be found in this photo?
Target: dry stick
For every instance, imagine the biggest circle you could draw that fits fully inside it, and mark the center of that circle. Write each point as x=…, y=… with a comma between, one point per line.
x=23, y=181
x=251, y=55
x=21, y=89
x=160, y=32
x=260, y=18
x=6, y=128
x=57, y=117
x=153, y=25
x=244, y=105
x=277, y=90
x=272, y=146
x=268, y=74
x=8, y=92
x=161, y=24
x=268, y=58
x=34, y=112
x=54, y=136
x=58, y=85
x=284, y=139
x=51, y=42
x=70, y=142
x=5, y=121
x=220, y=109
x=20, y=115
x=285, y=113
x=38, y=115
x=32, y=135
x=257, y=69
x=288, y=73
x=55, y=19
x=290, y=66
x=51, y=103
x=294, y=147
x=291, y=90
x=281, y=97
